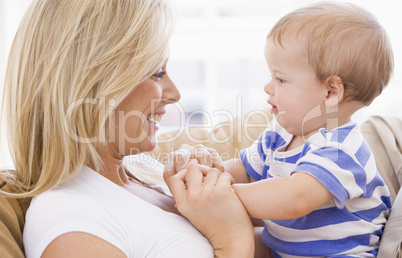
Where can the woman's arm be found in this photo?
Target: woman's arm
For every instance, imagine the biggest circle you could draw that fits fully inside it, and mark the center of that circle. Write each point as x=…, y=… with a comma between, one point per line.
x=81, y=245
x=261, y=250
x=206, y=198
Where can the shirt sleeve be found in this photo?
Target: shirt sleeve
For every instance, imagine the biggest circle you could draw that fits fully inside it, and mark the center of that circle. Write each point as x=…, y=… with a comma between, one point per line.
x=258, y=156
x=49, y=217
x=337, y=170
x=253, y=158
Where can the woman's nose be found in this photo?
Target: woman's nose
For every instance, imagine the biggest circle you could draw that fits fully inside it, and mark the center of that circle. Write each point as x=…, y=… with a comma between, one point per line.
x=170, y=92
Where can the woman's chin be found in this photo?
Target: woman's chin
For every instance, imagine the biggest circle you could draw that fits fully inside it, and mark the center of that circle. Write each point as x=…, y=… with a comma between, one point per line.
x=150, y=145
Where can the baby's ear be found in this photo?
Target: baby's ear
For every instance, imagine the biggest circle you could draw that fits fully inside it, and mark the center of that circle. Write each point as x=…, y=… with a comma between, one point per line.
x=335, y=90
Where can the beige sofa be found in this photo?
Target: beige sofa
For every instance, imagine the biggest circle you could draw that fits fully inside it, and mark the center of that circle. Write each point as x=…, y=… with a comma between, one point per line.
x=384, y=135
x=12, y=219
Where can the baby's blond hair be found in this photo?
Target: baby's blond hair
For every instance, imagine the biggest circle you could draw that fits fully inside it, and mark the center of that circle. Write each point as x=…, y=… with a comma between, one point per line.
x=341, y=39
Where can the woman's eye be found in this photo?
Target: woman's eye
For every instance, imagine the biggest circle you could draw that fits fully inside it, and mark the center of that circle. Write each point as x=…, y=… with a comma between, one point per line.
x=158, y=75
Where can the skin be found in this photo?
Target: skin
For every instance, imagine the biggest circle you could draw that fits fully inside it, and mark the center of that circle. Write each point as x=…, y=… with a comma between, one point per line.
x=133, y=132
x=294, y=91
x=204, y=196
x=301, y=103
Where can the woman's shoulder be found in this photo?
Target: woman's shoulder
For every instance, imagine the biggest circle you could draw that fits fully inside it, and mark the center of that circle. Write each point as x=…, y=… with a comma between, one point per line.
x=77, y=199
x=58, y=206
x=74, y=191
x=70, y=207
x=58, y=200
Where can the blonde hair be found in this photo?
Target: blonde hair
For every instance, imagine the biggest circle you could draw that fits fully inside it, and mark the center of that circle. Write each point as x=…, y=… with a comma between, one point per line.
x=345, y=40
x=64, y=54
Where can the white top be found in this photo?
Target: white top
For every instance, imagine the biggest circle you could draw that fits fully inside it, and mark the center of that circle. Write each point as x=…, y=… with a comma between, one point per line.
x=92, y=204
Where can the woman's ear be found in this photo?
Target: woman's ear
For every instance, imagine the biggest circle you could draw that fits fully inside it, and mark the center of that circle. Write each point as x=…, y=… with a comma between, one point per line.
x=335, y=90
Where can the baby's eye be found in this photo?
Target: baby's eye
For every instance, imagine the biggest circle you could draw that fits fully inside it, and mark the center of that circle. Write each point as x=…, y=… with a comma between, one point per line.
x=280, y=80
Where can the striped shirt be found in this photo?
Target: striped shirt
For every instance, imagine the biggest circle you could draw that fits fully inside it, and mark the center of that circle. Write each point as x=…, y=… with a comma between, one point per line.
x=351, y=224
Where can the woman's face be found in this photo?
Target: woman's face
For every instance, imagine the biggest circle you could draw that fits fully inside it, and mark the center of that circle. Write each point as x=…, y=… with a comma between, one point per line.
x=138, y=115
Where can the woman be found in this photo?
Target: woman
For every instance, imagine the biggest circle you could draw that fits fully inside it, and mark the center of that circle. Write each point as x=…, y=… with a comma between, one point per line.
x=86, y=85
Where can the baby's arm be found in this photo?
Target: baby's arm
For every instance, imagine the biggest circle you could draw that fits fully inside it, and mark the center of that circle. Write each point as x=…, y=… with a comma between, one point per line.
x=236, y=168
x=283, y=198
x=278, y=198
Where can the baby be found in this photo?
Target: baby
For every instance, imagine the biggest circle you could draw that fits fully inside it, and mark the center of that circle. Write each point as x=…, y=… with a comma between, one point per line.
x=311, y=176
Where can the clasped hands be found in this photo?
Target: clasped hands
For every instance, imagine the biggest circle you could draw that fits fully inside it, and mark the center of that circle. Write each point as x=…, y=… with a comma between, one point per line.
x=204, y=195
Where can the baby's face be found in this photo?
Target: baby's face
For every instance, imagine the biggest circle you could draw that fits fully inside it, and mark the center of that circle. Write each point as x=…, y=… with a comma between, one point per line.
x=296, y=95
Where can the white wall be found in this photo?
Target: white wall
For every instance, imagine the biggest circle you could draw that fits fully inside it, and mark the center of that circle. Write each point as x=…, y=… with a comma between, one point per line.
x=11, y=12
x=217, y=55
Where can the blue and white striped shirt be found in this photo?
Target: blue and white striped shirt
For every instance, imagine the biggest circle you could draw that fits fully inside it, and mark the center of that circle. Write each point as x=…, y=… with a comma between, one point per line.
x=351, y=224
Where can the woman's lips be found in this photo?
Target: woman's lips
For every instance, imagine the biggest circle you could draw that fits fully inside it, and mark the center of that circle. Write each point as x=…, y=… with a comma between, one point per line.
x=154, y=119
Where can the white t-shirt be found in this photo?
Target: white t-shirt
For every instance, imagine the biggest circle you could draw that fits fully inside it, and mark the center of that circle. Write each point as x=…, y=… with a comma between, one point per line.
x=92, y=204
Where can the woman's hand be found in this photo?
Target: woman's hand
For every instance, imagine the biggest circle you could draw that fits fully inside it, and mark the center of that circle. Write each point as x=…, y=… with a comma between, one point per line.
x=206, y=198
x=199, y=154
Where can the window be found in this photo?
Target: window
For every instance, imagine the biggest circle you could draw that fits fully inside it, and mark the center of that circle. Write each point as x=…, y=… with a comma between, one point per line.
x=217, y=57
x=221, y=42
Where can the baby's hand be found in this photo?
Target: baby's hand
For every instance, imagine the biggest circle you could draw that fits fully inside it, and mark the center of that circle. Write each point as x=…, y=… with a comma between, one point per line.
x=187, y=155
x=198, y=154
